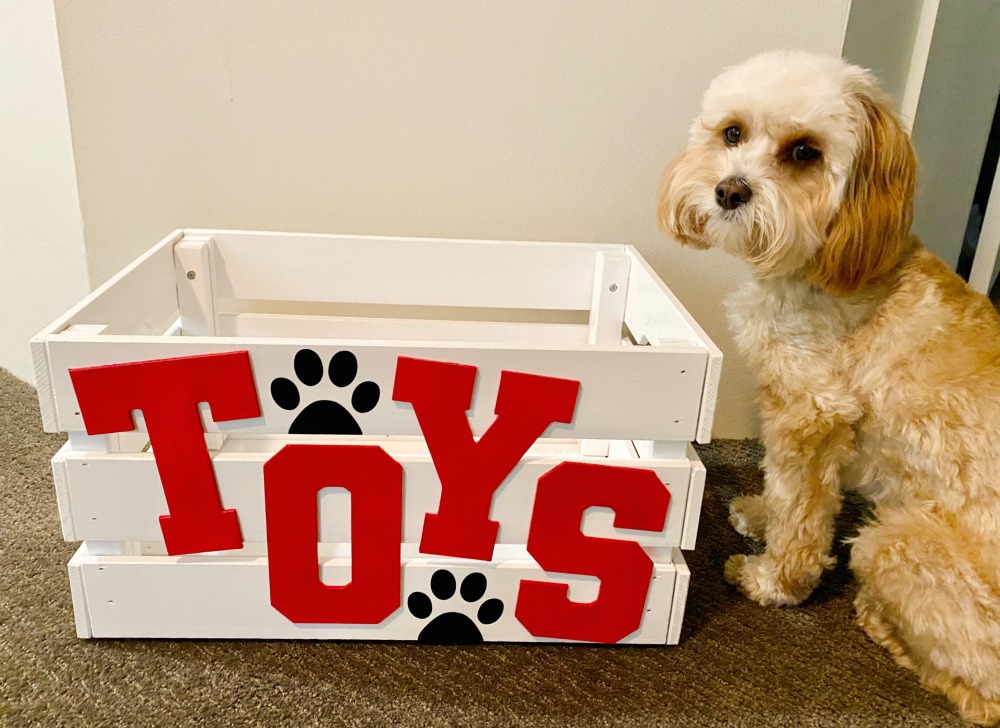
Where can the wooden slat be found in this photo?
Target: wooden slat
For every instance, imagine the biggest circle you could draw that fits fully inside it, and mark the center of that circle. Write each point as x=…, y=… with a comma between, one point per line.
x=43, y=383
x=264, y=325
x=626, y=392
x=81, y=607
x=229, y=598
x=118, y=497
x=408, y=271
x=696, y=494
x=195, y=290
x=655, y=316
x=677, y=609
x=607, y=311
x=607, y=307
x=61, y=481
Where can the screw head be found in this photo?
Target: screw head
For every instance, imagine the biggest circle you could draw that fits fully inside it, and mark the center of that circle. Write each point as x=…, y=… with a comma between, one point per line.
x=192, y=275
x=613, y=287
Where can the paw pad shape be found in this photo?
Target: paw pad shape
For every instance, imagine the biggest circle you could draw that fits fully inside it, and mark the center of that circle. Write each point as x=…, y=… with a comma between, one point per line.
x=454, y=628
x=324, y=416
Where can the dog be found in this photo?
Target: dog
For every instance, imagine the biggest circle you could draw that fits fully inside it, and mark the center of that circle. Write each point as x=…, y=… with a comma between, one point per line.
x=877, y=367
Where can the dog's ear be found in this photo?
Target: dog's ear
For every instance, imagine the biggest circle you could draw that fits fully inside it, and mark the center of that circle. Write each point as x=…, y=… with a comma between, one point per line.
x=676, y=212
x=872, y=226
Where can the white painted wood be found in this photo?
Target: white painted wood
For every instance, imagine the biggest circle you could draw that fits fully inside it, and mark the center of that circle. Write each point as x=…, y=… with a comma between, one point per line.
x=83, y=330
x=264, y=325
x=607, y=315
x=594, y=448
x=82, y=442
x=228, y=597
x=696, y=494
x=626, y=392
x=112, y=548
x=654, y=315
x=61, y=481
x=215, y=440
x=661, y=449
x=43, y=375
x=677, y=609
x=43, y=384
x=195, y=294
x=408, y=271
x=81, y=613
x=141, y=299
x=119, y=497
x=607, y=307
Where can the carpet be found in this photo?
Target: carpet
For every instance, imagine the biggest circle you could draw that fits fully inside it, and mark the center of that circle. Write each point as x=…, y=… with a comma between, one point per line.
x=738, y=664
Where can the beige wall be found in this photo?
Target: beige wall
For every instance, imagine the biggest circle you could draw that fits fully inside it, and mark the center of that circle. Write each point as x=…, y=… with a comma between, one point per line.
x=42, y=265
x=519, y=120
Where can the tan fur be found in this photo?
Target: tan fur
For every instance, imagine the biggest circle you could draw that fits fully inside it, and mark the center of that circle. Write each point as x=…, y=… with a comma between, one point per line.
x=870, y=231
x=878, y=369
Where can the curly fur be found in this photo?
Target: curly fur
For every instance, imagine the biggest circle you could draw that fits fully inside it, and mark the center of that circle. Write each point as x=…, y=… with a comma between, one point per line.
x=878, y=368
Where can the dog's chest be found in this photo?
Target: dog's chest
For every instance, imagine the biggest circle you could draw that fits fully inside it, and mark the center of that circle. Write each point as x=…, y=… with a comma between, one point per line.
x=789, y=330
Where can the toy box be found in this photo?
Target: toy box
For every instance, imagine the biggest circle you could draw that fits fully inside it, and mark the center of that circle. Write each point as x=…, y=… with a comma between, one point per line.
x=288, y=436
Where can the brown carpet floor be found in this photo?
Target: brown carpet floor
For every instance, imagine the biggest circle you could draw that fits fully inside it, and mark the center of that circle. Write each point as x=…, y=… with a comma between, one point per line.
x=738, y=664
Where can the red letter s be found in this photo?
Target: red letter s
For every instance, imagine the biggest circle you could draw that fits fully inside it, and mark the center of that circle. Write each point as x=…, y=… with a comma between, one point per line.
x=640, y=501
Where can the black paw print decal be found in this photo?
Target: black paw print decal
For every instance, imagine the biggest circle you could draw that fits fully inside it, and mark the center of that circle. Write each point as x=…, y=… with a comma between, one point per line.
x=454, y=628
x=324, y=416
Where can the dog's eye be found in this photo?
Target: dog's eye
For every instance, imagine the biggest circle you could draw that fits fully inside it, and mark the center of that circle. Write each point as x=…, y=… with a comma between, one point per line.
x=802, y=152
x=732, y=135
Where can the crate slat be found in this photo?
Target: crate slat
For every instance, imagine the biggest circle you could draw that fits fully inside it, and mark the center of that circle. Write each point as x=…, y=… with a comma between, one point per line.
x=404, y=271
x=696, y=494
x=229, y=598
x=626, y=392
x=267, y=325
x=118, y=496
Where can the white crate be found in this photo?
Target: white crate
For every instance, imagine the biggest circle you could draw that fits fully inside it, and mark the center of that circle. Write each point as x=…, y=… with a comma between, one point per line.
x=648, y=377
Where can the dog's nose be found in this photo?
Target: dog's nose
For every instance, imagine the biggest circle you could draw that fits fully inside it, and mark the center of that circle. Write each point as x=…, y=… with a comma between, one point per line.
x=732, y=192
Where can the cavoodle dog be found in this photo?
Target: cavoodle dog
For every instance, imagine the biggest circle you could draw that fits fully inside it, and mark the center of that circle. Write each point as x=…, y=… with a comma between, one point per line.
x=878, y=368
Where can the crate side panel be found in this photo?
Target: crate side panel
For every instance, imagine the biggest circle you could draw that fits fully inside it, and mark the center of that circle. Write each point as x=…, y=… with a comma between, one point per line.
x=211, y=597
x=654, y=314
x=406, y=271
x=626, y=392
x=141, y=299
x=118, y=497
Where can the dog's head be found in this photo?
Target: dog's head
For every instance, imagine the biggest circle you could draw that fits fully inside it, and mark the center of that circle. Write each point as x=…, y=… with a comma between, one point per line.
x=798, y=165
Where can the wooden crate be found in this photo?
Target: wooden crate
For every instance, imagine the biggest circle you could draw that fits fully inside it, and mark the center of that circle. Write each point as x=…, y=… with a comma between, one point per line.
x=326, y=323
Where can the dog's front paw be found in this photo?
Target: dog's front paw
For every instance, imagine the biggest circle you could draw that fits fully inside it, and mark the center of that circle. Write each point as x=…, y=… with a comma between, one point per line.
x=760, y=579
x=748, y=515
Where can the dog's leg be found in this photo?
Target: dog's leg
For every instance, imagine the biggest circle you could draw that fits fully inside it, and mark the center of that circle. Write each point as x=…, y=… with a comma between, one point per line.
x=748, y=515
x=806, y=450
x=927, y=596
